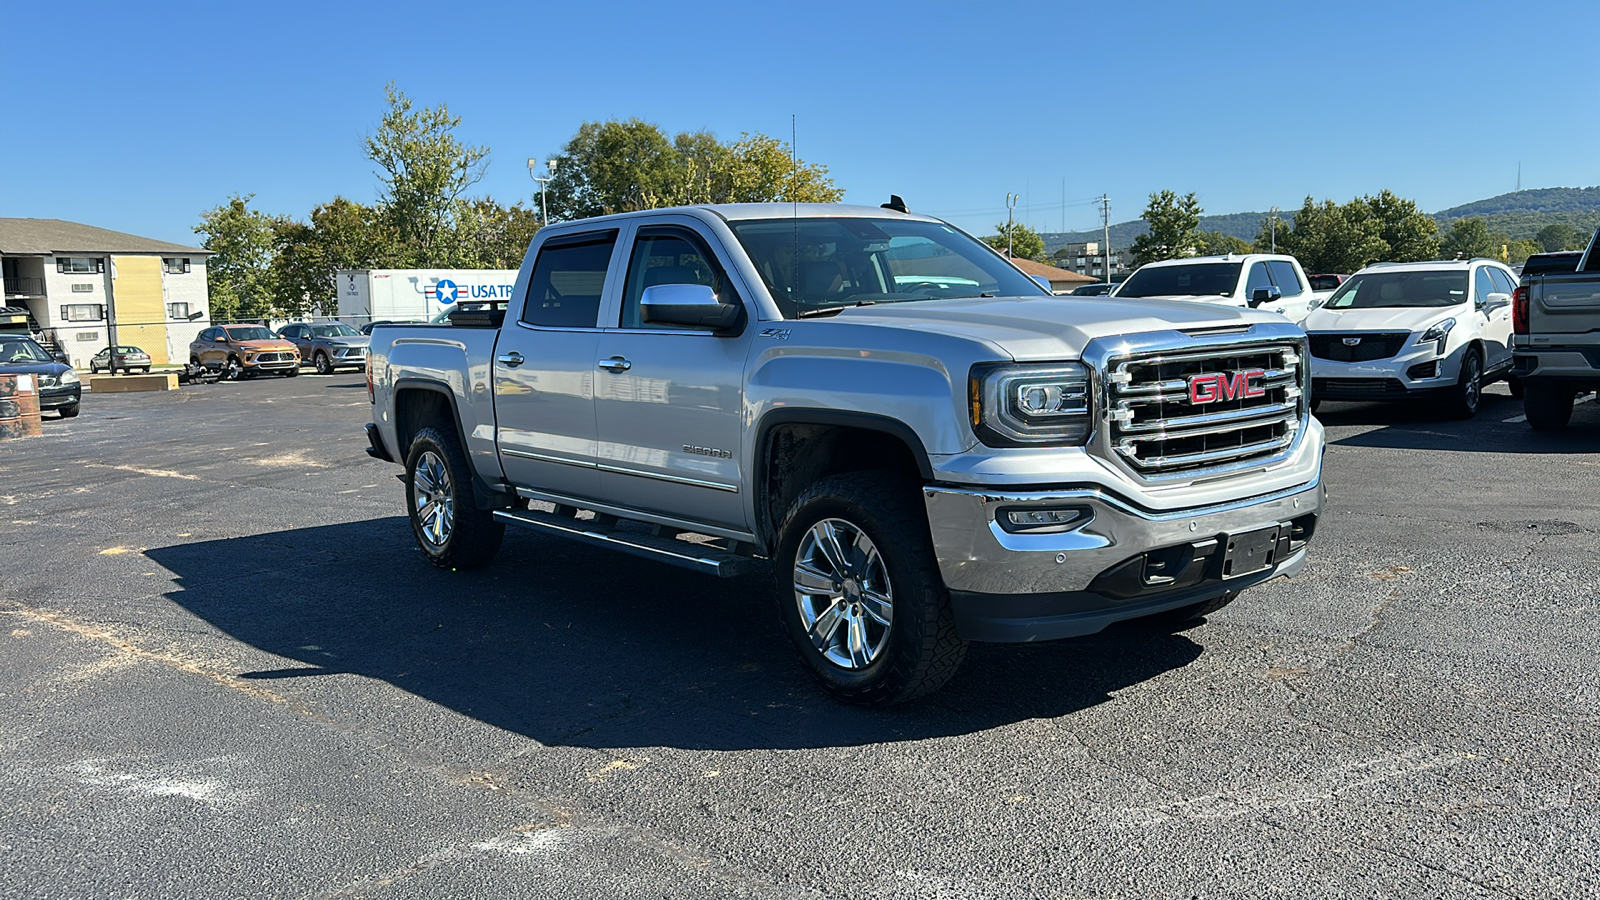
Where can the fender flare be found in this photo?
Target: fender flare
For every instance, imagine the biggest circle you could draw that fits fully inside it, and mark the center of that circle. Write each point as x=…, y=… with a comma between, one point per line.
x=483, y=496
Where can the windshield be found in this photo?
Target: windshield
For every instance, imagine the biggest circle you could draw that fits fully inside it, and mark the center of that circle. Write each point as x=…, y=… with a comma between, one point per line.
x=21, y=350
x=250, y=333
x=1197, y=280
x=1382, y=290
x=336, y=329
x=855, y=262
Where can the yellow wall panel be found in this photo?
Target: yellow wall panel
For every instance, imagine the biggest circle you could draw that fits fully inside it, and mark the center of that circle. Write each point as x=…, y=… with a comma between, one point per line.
x=141, y=309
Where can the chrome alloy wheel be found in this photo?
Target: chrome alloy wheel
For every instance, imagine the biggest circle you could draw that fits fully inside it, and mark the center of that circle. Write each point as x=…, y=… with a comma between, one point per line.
x=841, y=586
x=435, y=507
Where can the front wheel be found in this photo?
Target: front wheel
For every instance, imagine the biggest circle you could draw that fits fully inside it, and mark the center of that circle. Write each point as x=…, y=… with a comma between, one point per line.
x=451, y=530
x=860, y=593
x=233, y=370
x=1468, y=392
x=323, y=364
x=292, y=372
x=69, y=412
x=1547, y=406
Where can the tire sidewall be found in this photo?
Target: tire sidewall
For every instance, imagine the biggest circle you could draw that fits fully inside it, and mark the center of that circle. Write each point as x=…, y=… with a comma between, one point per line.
x=1469, y=387
x=908, y=581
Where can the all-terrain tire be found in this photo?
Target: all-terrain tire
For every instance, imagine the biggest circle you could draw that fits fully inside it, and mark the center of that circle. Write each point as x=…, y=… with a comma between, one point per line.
x=1547, y=405
x=463, y=536
x=921, y=650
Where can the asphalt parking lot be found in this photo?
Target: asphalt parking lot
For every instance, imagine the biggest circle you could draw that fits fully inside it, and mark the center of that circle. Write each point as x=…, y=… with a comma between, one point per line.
x=226, y=671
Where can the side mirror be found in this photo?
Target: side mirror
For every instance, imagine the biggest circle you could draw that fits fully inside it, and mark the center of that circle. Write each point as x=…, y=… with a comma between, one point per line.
x=1496, y=301
x=62, y=357
x=694, y=305
x=1264, y=295
x=1042, y=282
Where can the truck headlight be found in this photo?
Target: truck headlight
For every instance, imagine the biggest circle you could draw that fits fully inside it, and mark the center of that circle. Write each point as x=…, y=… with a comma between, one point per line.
x=1440, y=331
x=1030, y=405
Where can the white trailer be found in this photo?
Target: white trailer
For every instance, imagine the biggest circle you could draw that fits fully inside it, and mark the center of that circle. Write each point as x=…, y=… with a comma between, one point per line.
x=415, y=295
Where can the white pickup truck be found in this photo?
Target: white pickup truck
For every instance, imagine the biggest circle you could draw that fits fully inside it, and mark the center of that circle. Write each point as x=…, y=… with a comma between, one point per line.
x=925, y=446
x=1268, y=281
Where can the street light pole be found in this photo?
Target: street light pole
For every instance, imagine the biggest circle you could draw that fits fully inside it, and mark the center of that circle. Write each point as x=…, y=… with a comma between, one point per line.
x=1011, y=204
x=533, y=166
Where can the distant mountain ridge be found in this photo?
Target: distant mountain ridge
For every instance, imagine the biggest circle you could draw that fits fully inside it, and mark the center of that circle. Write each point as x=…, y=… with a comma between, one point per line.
x=1520, y=214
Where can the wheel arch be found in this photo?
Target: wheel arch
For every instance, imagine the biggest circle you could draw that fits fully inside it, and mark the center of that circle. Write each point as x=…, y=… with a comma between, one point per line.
x=420, y=403
x=832, y=441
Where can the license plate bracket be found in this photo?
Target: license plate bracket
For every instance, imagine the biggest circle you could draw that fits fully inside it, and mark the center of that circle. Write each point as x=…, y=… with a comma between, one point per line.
x=1250, y=552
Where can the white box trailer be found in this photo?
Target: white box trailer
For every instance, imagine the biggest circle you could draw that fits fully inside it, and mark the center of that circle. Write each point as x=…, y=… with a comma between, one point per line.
x=415, y=294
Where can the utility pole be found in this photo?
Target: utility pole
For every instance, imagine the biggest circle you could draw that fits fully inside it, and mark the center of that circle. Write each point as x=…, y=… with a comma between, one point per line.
x=1011, y=205
x=1274, y=215
x=1105, y=226
x=111, y=317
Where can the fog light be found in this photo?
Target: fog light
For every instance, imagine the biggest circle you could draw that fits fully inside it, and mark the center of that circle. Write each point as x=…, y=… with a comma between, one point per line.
x=1044, y=519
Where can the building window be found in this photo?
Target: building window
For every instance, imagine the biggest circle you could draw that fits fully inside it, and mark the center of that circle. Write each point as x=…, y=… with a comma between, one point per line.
x=175, y=265
x=80, y=265
x=177, y=310
x=83, y=312
x=82, y=287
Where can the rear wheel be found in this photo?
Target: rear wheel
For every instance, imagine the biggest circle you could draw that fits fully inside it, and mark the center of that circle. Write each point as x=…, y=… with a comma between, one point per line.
x=1468, y=391
x=449, y=527
x=1548, y=406
x=860, y=593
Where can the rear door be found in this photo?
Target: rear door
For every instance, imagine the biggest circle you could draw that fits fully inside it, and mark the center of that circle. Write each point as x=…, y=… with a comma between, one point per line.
x=544, y=368
x=670, y=399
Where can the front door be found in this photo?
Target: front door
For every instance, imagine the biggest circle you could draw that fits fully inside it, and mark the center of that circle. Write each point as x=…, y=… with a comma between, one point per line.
x=1497, y=327
x=544, y=369
x=669, y=399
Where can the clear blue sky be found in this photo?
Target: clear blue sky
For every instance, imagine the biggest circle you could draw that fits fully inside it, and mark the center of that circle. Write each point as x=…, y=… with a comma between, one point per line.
x=138, y=117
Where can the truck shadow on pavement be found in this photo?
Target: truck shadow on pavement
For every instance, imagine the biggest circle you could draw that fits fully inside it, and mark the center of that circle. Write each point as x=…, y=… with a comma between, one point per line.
x=1417, y=426
x=578, y=646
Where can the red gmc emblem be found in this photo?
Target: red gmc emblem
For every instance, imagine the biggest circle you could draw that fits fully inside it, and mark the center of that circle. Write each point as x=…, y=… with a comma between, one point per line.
x=1214, y=386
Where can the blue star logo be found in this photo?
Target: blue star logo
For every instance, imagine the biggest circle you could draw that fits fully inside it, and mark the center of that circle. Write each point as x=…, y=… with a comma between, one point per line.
x=445, y=291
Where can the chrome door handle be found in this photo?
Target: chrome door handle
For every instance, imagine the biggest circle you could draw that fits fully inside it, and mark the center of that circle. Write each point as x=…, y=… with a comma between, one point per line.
x=616, y=364
x=512, y=359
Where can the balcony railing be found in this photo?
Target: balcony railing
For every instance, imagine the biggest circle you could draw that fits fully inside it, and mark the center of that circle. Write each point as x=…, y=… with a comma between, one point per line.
x=17, y=285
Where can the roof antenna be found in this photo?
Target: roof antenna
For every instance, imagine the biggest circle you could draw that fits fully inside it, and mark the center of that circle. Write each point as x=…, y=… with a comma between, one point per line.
x=895, y=203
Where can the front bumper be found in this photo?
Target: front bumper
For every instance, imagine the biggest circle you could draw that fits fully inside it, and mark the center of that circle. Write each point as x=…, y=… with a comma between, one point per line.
x=275, y=366
x=1118, y=562
x=60, y=396
x=1416, y=371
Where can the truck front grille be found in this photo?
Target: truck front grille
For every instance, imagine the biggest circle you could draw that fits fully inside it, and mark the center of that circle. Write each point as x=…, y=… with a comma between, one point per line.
x=1185, y=413
x=1367, y=347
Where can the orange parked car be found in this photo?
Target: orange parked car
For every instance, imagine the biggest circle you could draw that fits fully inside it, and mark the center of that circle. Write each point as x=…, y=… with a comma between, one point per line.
x=244, y=351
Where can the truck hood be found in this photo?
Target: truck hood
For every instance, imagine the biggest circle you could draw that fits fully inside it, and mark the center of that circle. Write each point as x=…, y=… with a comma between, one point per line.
x=1392, y=318
x=1034, y=328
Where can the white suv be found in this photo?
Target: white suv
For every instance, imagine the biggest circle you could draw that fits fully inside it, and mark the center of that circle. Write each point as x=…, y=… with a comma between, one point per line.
x=1409, y=330
x=1266, y=281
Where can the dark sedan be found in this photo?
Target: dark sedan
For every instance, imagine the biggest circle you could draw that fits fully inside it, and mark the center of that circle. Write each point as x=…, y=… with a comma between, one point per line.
x=59, y=388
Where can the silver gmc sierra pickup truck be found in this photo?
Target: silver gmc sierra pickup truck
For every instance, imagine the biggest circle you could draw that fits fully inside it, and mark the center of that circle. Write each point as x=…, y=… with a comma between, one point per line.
x=925, y=445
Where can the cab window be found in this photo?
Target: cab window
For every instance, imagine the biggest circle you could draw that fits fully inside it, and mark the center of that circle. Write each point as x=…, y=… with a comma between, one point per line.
x=1258, y=279
x=567, y=281
x=1285, y=277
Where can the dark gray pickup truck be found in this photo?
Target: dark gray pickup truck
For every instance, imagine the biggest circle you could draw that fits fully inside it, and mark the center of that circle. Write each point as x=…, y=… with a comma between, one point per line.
x=1555, y=323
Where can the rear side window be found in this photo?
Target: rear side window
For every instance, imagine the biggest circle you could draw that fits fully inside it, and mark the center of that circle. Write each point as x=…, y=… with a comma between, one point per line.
x=1502, y=282
x=1285, y=277
x=568, y=279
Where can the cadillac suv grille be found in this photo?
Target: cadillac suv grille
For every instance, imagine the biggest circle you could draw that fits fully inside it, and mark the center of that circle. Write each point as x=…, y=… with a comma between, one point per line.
x=1185, y=413
x=1369, y=346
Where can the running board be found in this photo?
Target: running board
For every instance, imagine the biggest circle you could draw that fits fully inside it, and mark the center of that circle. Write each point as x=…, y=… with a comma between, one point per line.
x=699, y=557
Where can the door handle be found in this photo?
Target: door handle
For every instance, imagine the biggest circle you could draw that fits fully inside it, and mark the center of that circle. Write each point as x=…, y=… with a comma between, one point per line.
x=616, y=364
x=512, y=359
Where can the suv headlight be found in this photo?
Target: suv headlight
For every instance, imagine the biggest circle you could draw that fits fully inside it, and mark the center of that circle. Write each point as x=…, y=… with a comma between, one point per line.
x=69, y=377
x=1030, y=405
x=1440, y=331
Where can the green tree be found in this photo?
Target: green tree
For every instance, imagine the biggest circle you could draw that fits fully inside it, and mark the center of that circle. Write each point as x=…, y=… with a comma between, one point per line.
x=1329, y=237
x=424, y=169
x=1519, y=251
x=239, y=275
x=1471, y=237
x=1559, y=236
x=1174, y=228
x=1408, y=233
x=1025, y=242
x=491, y=236
x=341, y=234
x=1215, y=243
x=621, y=166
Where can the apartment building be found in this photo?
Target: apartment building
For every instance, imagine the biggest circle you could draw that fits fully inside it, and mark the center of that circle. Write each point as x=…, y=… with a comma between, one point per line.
x=76, y=280
x=1089, y=258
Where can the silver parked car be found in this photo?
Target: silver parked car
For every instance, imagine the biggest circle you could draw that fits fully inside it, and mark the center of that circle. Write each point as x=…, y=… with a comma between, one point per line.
x=328, y=345
x=128, y=359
